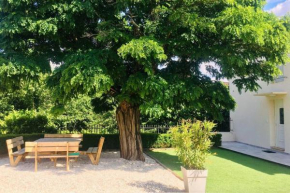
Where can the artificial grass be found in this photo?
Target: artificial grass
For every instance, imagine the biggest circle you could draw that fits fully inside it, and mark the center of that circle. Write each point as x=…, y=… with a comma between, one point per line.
x=233, y=172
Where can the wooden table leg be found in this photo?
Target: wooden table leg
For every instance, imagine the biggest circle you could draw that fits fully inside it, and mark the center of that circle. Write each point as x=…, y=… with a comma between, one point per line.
x=55, y=159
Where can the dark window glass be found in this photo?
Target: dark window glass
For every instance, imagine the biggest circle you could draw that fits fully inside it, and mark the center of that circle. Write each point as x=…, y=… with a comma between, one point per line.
x=281, y=116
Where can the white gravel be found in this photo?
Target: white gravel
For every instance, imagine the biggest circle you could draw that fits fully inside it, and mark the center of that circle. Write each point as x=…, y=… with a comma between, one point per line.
x=113, y=174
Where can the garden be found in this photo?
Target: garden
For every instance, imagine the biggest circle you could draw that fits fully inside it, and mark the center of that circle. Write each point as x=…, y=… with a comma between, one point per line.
x=99, y=95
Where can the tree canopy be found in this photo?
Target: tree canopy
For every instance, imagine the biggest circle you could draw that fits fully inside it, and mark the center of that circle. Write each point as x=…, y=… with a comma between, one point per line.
x=144, y=52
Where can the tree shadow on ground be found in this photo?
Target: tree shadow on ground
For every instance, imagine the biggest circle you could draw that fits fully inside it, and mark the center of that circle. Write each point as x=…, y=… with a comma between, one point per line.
x=46, y=165
x=251, y=162
x=108, y=161
x=152, y=186
x=170, y=161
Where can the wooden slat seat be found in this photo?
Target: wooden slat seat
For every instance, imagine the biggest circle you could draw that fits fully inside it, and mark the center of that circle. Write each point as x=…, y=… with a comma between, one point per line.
x=94, y=153
x=92, y=150
x=20, y=153
x=52, y=150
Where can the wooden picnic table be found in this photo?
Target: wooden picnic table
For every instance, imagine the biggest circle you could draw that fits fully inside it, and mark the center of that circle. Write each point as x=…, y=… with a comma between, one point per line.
x=59, y=140
x=56, y=139
x=54, y=148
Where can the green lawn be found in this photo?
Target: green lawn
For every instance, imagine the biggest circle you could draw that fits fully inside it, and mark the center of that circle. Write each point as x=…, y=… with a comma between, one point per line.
x=233, y=172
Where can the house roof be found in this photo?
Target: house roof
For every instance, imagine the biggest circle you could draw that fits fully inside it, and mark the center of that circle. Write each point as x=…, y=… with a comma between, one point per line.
x=271, y=94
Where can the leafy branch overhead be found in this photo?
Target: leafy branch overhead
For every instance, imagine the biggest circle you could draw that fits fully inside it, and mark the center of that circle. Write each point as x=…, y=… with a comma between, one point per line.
x=147, y=53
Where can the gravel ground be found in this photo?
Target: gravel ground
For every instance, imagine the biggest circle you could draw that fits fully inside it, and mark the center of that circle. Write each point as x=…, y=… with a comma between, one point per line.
x=113, y=174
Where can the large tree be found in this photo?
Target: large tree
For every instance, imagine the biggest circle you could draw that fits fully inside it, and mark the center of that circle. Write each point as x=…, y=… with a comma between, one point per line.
x=143, y=56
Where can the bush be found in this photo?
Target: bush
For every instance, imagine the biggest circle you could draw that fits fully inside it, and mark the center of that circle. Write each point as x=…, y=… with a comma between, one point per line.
x=27, y=122
x=216, y=139
x=152, y=140
x=192, y=142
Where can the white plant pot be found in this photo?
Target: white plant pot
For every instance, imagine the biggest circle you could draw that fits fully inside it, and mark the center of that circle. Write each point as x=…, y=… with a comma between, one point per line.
x=194, y=180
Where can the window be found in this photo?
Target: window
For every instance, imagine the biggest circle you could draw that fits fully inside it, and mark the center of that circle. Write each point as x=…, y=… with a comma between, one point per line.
x=281, y=111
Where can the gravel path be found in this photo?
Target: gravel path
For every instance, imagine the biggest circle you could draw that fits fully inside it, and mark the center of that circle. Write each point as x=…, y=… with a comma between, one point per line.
x=113, y=174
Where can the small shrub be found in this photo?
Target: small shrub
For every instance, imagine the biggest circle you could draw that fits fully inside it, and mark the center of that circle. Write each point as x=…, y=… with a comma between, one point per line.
x=27, y=122
x=192, y=141
x=216, y=140
x=153, y=140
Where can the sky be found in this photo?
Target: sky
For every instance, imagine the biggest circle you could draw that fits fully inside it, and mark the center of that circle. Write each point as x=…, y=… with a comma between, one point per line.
x=278, y=7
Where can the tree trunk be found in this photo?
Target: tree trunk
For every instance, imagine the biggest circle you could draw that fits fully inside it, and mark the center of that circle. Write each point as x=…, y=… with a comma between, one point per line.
x=128, y=119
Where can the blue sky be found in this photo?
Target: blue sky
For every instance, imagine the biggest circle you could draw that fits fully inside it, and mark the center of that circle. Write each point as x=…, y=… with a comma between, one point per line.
x=278, y=7
x=272, y=3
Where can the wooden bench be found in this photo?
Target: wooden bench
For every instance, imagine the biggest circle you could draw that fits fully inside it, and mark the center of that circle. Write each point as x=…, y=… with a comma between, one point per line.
x=20, y=153
x=94, y=153
x=52, y=150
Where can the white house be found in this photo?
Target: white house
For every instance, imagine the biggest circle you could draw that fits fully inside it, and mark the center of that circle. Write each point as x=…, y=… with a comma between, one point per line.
x=263, y=118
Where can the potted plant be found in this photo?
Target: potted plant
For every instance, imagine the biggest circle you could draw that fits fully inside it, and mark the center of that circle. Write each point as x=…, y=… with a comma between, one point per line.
x=192, y=142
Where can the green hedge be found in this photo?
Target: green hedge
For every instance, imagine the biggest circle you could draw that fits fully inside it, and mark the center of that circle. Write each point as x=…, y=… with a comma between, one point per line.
x=26, y=137
x=111, y=140
x=216, y=140
x=92, y=140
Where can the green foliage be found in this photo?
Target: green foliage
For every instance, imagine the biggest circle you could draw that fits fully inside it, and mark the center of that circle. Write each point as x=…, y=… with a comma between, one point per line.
x=286, y=21
x=83, y=73
x=16, y=76
x=173, y=116
x=216, y=140
x=150, y=140
x=153, y=140
x=36, y=97
x=5, y=107
x=79, y=115
x=27, y=122
x=144, y=51
x=192, y=142
x=147, y=53
x=102, y=104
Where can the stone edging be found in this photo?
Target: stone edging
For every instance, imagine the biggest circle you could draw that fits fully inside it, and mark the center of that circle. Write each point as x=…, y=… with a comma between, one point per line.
x=180, y=178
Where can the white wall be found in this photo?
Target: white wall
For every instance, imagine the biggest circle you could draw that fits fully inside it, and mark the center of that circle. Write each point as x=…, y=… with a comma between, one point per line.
x=227, y=136
x=253, y=119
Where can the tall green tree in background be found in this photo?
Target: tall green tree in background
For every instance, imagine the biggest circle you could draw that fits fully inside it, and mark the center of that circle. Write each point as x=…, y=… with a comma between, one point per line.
x=142, y=56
